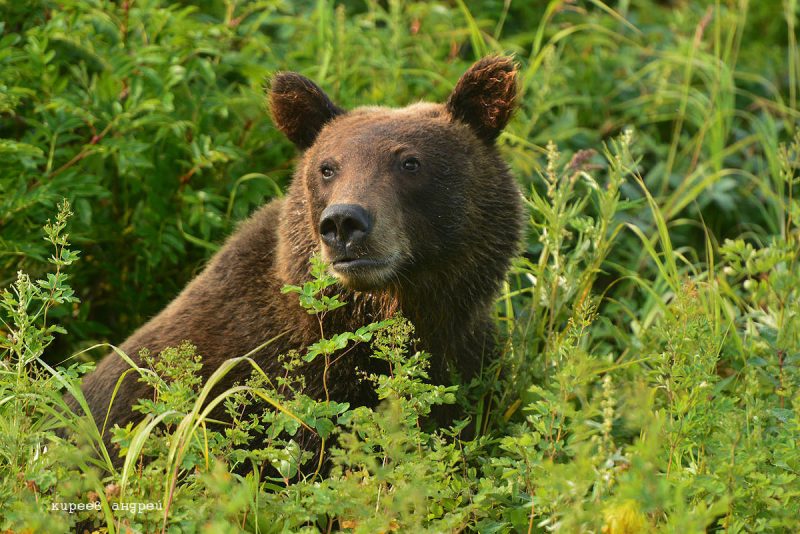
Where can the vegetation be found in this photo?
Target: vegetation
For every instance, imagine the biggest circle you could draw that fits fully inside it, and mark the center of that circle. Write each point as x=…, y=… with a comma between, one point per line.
x=650, y=329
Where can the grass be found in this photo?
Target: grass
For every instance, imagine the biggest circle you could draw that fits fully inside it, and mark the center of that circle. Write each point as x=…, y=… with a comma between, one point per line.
x=651, y=325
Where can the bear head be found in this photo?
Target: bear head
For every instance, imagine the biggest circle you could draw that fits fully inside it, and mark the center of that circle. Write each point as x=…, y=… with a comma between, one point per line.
x=408, y=197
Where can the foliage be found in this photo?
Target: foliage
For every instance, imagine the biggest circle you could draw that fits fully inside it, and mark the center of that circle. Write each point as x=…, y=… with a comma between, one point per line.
x=650, y=329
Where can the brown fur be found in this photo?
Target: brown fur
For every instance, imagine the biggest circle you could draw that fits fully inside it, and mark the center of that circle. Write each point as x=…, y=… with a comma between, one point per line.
x=444, y=234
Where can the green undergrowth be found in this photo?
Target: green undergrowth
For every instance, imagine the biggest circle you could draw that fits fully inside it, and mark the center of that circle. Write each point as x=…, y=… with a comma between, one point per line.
x=649, y=330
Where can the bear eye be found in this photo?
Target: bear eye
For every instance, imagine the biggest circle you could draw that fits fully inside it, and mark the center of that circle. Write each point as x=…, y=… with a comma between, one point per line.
x=410, y=164
x=327, y=171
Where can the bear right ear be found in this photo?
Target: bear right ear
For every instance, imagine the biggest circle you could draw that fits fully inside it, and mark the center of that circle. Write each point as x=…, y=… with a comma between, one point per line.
x=299, y=108
x=484, y=96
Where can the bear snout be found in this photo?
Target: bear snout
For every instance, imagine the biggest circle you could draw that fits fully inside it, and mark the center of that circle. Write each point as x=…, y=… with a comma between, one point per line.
x=344, y=228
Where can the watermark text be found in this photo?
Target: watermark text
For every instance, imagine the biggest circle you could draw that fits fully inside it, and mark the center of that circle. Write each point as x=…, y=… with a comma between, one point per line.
x=130, y=507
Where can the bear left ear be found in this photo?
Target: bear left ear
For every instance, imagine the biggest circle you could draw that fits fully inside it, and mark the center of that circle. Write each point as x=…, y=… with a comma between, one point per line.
x=484, y=96
x=299, y=108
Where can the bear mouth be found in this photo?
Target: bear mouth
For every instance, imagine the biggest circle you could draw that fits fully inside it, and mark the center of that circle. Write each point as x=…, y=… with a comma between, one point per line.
x=356, y=264
x=363, y=273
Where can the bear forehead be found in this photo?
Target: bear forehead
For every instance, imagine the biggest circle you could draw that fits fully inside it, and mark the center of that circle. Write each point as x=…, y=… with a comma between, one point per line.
x=418, y=110
x=388, y=128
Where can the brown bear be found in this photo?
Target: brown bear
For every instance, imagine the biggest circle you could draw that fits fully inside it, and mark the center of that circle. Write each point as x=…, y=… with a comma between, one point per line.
x=412, y=208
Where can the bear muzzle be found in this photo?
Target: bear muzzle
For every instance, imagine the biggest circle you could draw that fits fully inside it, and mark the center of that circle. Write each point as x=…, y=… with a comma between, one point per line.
x=345, y=231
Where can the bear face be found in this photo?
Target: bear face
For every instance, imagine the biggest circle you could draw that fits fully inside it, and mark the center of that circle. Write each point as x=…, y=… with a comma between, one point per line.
x=395, y=198
x=379, y=180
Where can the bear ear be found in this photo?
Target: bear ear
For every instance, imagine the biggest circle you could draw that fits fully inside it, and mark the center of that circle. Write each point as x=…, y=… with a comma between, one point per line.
x=484, y=96
x=299, y=107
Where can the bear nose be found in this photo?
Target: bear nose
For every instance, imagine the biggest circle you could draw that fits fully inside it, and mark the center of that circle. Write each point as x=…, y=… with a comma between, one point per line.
x=344, y=224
